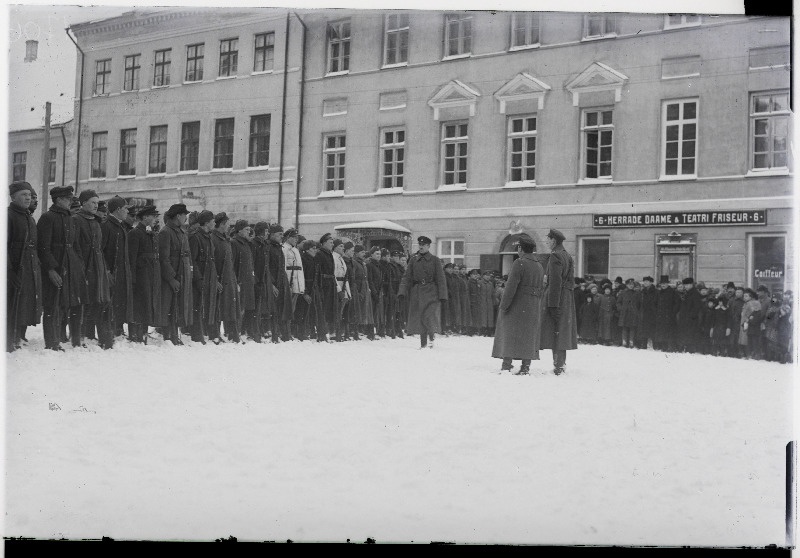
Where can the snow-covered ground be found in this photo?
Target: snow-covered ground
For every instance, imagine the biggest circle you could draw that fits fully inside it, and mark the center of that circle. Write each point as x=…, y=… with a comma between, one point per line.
x=329, y=442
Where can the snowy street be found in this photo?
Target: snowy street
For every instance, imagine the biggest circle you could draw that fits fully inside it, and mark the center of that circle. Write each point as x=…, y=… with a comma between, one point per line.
x=328, y=442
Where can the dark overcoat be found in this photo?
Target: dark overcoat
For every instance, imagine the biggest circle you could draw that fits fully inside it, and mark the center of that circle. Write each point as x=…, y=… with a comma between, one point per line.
x=424, y=286
x=176, y=264
x=590, y=319
x=375, y=281
x=477, y=302
x=327, y=286
x=277, y=270
x=487, y=290
x=691, y=308
x=245, y=273
x=558, y=294
x=146, y=268
x=721, y=321
x=453, y=306
x=89, y=247
x=647, y=313
x=228, y=299
x=56, y=233
x=24, y=286
x=362, y=297
x=735, y=317
x=628, y=306
x=605, y=319
x=391, y=284
x=204, y=274
x=115, y=252
x=265, y=299
x=667, y=305
x=463, y=298
x=519, y=314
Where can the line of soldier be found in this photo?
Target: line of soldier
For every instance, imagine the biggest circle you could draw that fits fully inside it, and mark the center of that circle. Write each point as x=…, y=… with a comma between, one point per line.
x=92, y=271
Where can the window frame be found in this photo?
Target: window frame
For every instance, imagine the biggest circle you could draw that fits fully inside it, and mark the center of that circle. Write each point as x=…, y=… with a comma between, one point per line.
x=751, y=252
x=399, y=31
x=132, y=75
x=258, y=138
x=19, y=161
x=463, y=51
x=161, y=68
x=339, y=151
x=193, y=61
x=344, y=44
x=128, y=149
x=582, y=256
x=228, y=57
x=451, y=256
x=263, y=50
x=585, y=129
x=523, y=135
x=160, y=151
x=608, y=20
x=52, y=165
x=770, y=116
x=221, y=142
x=443, y=157
x=192, y=143
x=106, y=74
x=530, y=24
x=394, y=176
x=99, y=155
x=683, y=23
x=680, y=122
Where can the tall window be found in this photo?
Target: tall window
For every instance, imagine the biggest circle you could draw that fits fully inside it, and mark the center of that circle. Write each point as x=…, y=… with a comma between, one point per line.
x=194, y=62
x=18, y=163
x=333, y=152
x=594, y=257
x=393, y=149
x=228, y=57
x=132, y=68
x=158, y=150
x=395, y=41
x=599, y=25
x=102, y=80
x=339, y=46
x=769, y=125
x=52, y=165
x=454, y=153
x=679, y=122
x=524, y=29
x=259, y=141
x=265, y=52
x=681, y=20
x=163, y=58
x=522, y=148
x=458, y=34
x=127, y=152
x=99, y=154
x=598, y=131
x=190, y=145
x=451, y=251
x=223, y=143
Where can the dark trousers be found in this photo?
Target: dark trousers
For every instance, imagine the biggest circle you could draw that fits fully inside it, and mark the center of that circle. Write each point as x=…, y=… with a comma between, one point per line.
x=53, y=325
x=559, y=358
x=304, y=317
x=424, y=335
x=231, y=330
x=98, y=315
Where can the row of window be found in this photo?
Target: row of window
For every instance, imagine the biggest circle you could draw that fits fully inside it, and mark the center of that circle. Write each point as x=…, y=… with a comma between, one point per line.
x=19, y=164
x=263, y=61
x=769, y=147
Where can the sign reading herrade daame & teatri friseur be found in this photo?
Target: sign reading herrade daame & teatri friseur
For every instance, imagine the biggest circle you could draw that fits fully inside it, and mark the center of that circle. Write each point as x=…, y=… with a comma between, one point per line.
x=680, y=218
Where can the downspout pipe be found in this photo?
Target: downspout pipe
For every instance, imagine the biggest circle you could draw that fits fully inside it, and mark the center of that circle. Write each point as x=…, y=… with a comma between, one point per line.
x=283, y=116
x=80, y=113
x=298, y=175
x=63, y=156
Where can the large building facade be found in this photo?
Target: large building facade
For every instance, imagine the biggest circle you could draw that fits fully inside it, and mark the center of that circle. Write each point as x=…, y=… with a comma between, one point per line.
x=659, y=144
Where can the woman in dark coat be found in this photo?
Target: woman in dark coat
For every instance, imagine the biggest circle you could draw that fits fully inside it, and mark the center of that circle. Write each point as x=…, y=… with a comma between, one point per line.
x=424, y=287
x=176, y=273
x=590, y=315
x=24, y=287
x=519, y=314
x=146, y=275
x=228, y=299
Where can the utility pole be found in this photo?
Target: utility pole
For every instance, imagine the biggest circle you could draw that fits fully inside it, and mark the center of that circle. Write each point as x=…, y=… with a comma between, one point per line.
x=45, y=158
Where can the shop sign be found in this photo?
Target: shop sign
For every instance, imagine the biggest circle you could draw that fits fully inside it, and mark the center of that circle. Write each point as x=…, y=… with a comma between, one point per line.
x=680, y=219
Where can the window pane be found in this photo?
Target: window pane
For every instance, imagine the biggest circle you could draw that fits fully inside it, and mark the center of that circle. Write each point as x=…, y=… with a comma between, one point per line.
x=761, y=103
x=673, y=111
x=688, y=166
x=688, y=149
x=672, y=167
x=689, y=131
x=761, y=126
x=607, y=117
x=591, y=119
x=690, y=110
x=672, y=150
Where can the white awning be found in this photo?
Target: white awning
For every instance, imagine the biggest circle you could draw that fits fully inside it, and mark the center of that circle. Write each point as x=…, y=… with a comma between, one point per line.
x=382, y=224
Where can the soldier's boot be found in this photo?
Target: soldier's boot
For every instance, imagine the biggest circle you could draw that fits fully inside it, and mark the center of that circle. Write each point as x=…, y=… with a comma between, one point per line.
x=430, y=343
x=507, y=365
x=525, y=369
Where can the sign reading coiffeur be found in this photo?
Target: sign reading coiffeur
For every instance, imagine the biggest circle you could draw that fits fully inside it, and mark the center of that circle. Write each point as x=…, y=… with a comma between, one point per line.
x=681, y=219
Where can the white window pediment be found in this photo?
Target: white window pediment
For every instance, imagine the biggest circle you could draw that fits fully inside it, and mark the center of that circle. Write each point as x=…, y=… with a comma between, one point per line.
x=522, y=87
x=597, y=77
x=454, y=94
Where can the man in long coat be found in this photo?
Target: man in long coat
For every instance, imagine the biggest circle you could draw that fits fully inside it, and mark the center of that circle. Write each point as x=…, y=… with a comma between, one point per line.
x=306, y=310
x=390, y=286
x=691, y=308
x=375, y=281
x=425, y=288
x=667, y=304
x=326, y=313
x=518, y=318
x=24, y=286
x=353, y=309
x=401, y=310
x=282, y=315
x=205, y=285
x=559, y=328
x=89, y=247
x=265, y=299
x=115, y=251
x=146, y=274
x=293, y=263
x=228, y=300
x=176, y=273
x=245, y=275
x=463, y=298
x=343, y=295
x=361, y=294
x=647, y=314
x=452, y=310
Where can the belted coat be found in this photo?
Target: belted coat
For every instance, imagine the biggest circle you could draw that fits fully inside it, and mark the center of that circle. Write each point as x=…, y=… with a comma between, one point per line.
x=362, y=297
x=424, y=286
x=327, y=286
x=265, y=299
x=24, y=284
x=115, y=251
x=176, y=264
x=375, y=282
x=56, y=233
x=245, y=273
x=89, y=247
x=558, y=294
x=519, y=314
x=146, y=276
x=277, y=269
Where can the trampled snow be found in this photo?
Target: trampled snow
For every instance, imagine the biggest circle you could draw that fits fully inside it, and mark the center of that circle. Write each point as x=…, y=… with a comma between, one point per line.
x=329, y=442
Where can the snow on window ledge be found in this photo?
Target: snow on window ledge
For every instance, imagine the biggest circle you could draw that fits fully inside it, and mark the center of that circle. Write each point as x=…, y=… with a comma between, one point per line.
x=452, y=188
x=332, y=194
x=768, y=172
x=520, y=184
x=388, y=191
x=676, y=177
x=589, y=181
